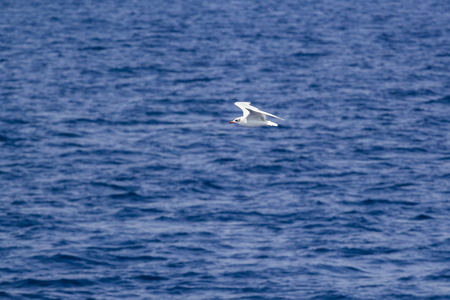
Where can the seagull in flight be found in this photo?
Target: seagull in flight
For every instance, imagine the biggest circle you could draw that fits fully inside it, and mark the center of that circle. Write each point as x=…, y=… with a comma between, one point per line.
x=253, y=117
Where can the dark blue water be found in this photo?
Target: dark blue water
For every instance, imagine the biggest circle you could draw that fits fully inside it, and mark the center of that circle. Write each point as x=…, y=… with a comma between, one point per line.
x=121, y=178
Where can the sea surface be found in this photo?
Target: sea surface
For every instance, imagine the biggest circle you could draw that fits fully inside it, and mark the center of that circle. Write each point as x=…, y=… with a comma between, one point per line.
x=121, y=177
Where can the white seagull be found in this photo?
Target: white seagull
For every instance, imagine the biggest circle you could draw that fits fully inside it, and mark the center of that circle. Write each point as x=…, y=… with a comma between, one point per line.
x=253, y=117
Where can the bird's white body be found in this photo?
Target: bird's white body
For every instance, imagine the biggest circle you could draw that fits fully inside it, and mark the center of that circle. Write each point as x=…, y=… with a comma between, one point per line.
x=253, y=117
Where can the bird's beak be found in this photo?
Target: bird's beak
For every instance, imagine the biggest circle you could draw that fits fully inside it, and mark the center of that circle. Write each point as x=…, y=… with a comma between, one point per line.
x=231, y=122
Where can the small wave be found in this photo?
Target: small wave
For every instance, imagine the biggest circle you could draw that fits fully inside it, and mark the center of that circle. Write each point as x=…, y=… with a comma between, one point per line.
x=109, y=185
x=15, y=121
x=68, y=259
x=66, y=134
x=151, y=278
x=192, y=249
x=123, y=70
x=403, y=93
x=93, y=48
x=351, y=252
x=140, y=258
x=224, y=160
x=443, y=275
x=391, y=187
x=63, y=283
x=302, y=54
x=422, y=217
x=444, y=100
x=386, y=202
x=195, y=80
x=136, y=212
x=128, y=195
x=243, y=274
x=86, y=120
x=5, y=295
x=262, y=169
x=200, y=186
x=342, y=270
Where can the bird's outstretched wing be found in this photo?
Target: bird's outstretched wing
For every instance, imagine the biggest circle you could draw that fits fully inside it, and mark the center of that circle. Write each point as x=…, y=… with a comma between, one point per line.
x=247, y=108
x=243, y=106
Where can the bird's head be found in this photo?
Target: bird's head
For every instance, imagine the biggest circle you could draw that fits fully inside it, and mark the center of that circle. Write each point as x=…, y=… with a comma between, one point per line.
x=237, y=120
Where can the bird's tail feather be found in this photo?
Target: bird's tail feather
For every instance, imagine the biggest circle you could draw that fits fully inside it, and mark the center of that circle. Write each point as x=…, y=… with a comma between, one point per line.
x=270, y=123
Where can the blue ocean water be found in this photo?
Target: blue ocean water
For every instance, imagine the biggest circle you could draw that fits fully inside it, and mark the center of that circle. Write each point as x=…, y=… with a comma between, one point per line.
x=121, y=178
